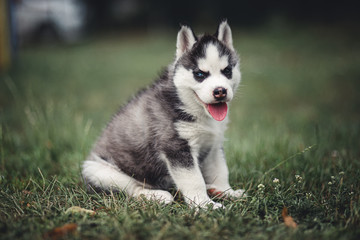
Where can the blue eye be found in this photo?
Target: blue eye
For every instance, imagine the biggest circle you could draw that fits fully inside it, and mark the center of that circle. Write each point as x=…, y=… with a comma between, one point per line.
x=200, y=75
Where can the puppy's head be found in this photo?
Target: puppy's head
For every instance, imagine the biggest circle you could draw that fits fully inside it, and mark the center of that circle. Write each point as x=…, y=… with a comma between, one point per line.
x=206, y=71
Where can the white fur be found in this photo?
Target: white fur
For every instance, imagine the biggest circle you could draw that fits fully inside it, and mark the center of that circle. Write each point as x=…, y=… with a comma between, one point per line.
x=107, y=176
x=154, y=195
x=185, y=82
x=225, y=35
x=212, y=61
x=191, y=184
x=185, y=41
x=205, y=132
x=188, y=87
x=209, y=133
x=213, y=64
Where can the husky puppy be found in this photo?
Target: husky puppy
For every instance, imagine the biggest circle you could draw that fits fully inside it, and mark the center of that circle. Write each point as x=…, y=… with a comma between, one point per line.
x=171, y=134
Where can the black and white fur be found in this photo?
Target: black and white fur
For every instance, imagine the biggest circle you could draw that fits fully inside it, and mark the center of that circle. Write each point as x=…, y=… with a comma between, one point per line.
x=165, y=136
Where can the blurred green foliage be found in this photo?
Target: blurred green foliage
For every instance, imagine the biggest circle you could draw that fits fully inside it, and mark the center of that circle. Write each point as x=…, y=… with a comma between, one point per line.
x=299, y=89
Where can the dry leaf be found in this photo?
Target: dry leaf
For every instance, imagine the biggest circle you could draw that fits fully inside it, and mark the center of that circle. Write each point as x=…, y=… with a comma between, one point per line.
x=76, y=209
x=288, y=220
x=60, y=232
x=26, y=192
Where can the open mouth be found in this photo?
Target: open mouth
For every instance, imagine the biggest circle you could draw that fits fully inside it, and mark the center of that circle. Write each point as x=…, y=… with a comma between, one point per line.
x=217, y=110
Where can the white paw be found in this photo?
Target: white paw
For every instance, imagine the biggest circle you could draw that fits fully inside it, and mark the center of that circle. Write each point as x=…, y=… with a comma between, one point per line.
x=215, y=205
x=230, y=193
x=156, y=195
x=209, y=204
x=240, y=193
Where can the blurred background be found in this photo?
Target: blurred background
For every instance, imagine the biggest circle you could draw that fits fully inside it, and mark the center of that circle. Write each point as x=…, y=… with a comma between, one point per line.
x=69, y=21
x=67, y=65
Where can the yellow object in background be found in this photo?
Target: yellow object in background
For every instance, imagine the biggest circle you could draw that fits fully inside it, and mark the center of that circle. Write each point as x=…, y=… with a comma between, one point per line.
x=5, y=48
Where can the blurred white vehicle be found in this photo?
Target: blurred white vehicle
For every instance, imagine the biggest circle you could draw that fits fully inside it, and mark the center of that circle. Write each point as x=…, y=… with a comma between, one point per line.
x=63, y=19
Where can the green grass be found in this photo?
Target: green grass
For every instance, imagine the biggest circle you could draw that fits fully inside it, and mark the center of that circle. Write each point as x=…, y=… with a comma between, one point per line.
x=296, y=113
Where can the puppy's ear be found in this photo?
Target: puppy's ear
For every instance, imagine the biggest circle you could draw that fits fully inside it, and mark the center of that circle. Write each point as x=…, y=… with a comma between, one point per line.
x=185, y=40
x=224, y=34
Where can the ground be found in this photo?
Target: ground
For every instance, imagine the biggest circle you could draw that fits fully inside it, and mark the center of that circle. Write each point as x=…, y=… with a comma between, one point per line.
x=293, y=141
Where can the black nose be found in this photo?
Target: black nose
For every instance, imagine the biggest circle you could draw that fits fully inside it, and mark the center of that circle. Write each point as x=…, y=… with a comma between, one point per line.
x=219, y=93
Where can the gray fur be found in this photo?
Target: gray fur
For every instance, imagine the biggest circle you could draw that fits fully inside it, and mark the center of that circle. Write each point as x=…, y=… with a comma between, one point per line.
x=141, y=129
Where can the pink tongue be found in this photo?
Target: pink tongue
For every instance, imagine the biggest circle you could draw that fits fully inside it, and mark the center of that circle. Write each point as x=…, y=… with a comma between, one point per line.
x=218, y=111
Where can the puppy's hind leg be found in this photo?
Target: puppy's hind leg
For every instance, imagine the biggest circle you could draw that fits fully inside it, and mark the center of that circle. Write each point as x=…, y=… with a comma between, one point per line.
x=153, y=194
x=102, y=175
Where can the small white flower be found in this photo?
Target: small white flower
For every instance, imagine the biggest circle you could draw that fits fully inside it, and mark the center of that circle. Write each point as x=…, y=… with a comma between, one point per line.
x=308, y=195
x=261, y=186
x=276, y=180
x=332, y=178
x=298, y=178
x=341, y=173
x=330, y=183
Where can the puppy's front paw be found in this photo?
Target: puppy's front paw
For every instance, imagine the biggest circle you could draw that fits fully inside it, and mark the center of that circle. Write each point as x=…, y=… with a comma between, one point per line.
x=216, y=193
x=214, y=205
x=239, y=193
x=230, y=193
x=207, y=205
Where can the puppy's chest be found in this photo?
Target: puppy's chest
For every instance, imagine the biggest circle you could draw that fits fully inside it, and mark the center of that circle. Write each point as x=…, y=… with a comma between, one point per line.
x=201, y=134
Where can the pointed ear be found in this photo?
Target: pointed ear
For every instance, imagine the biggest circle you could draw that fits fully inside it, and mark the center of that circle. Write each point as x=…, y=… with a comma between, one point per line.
x=224, y=34
x=185, y=40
